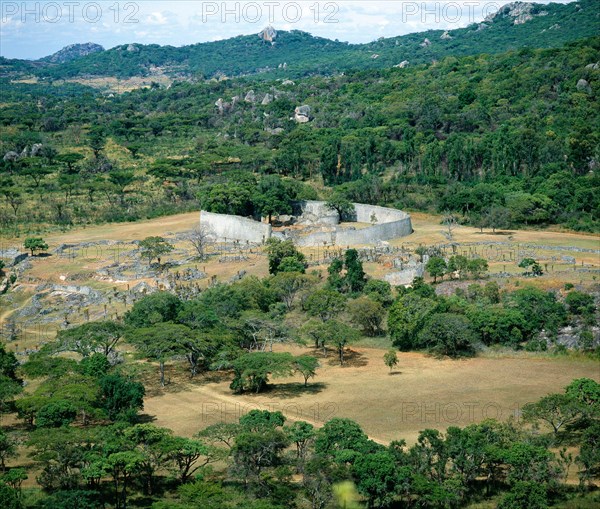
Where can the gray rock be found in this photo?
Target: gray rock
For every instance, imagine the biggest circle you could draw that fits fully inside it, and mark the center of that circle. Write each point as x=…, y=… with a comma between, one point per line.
x=73, y=52
x=268, y=34
x=402, y=64
x=10, y=156
x=267, y=99
x=302, y=114
x=584, y=86
x=250, y=97
x=445, y=35
x=425, y=44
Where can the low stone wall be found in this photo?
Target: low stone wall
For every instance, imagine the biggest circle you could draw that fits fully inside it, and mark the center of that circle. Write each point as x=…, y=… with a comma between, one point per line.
x=225, y=226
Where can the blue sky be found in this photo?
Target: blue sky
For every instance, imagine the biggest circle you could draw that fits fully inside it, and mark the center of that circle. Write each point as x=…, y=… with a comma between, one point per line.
x=36, y=29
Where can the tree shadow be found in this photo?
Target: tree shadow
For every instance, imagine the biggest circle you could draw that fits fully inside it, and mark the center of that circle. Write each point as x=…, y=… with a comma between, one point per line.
x=294, y=389
x=394, y=373
x=145, y=418
x=352, y=359
x=499, y=232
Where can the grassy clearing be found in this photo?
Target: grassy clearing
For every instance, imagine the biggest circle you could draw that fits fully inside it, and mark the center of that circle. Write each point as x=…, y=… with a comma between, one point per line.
x=422, y=392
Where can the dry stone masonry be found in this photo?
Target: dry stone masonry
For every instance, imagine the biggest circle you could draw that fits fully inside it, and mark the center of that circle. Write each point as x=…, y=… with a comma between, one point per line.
x=312, y=224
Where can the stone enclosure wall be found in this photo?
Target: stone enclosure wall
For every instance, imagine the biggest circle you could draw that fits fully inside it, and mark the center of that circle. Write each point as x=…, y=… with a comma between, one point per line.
x=323, y=226
x=225, y=226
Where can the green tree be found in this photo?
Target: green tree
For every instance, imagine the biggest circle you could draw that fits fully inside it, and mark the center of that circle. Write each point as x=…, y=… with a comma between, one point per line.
x=355, y=278
x=277, y=250
x=532, y=268
x=70, y=159
x=556, y=410
x=8, y=448
x=380, y=291
x=120, y=397
x=589, y=454
x=56, y=414
x=93, y=337
x=407, y=317
x=161, y=342
x=448, y=334
x=302, y=434
x=35, y=244
x=377, y=478
x=341, y=204
x=252, y=370
x=287, y=285
x=152, y=309
x=525, y=494
x=367, y=314
x=390, y=359
x=338, y=435
x=325, y=304
x=10, y=383
x=154, y=247
x=477, y=267
x=580, y=303
x=307, y=366
x=436, y=266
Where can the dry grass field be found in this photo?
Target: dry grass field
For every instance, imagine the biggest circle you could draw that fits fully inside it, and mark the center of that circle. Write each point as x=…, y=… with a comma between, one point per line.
x=422, y=392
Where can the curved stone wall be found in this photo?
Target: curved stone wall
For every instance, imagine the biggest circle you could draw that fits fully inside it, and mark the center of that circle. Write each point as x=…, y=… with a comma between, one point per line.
x=386, y=224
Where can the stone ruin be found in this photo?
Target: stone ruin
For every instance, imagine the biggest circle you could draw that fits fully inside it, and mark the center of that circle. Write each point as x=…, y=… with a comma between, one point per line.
x=312, y=223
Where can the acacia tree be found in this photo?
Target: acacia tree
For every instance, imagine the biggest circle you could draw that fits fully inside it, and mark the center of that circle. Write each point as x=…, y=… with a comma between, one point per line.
x=35, y=244
x=306, y=365
x=160, y=342
x=252, y=370
x=90, y=338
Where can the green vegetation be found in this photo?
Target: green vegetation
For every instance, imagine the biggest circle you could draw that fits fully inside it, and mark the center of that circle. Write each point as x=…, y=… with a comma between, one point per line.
x=510, y=141
x=485, y=126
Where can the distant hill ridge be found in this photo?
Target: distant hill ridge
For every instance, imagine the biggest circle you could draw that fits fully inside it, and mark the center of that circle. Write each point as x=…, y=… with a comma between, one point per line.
x=296, y=53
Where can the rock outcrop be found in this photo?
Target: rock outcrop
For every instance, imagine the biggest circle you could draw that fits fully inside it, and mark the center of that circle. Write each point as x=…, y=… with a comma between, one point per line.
x=445, y=35
x=425, y=44
x=73, y=52
x=268, y=34
x=402, y=64
x=520, y=12
x=302, y=114
x=584, y=86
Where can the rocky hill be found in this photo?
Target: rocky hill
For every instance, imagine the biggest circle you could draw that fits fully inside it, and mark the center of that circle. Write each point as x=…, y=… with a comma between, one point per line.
x=73, y=52
x=295, y=54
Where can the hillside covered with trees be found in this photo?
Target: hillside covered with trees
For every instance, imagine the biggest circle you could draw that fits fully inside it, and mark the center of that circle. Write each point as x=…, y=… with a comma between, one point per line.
x=503, y=140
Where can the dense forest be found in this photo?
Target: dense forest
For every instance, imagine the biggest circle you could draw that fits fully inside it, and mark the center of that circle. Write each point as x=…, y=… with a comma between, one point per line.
x=505, y=140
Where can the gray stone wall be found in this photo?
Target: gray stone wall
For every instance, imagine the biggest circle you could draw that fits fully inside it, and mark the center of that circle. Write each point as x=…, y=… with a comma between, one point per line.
x=386, y=223
x=225, y=226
